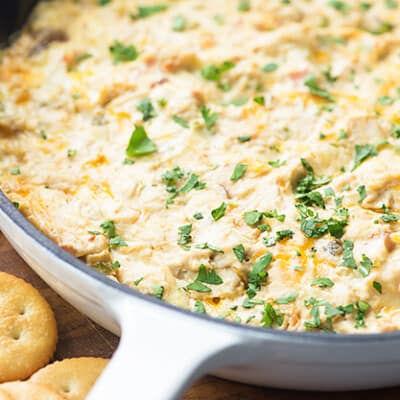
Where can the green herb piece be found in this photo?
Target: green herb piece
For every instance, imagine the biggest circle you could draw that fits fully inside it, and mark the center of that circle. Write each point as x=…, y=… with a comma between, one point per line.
x=391, y=4
x=365, y=266
x=239, y=252
x=271, y=67
x=122, y=53
x=199, y=307
x=395, y=131
x=377, y=286
x=316, y=90
x=180, y=121
x=108, y=229
x=192, y=183
x=158, y=291
x=209, y=117
x=212, y=72
x=276, y=163
x=43, y=134
x=238, y=172
x=16, y=204
x=147, y=109
x=144, y=12
x=385, y=101
x=179, y=23
x=72, y=153
x=244, y=139
x=103, y=2
x=362, y=192
x=259, y=100
x=198, y=216
x=348, y=258
x=140, y=144
x=252, y=217
x=184, y=234
x=340, y=6
x=271, y=316
x=219, y=212
x=209, y=246
x=362, y=308
x=322, y=282
x=117, y=241
x=263, y=227
x=204, y=276
x=250, y=303
x=362, y=153
x=244, y=5
x=258, y=274
x=15, y=171
x=137, y=281
x=287, y=299
x=284, y=234
x=275, y=214
x=384, y=27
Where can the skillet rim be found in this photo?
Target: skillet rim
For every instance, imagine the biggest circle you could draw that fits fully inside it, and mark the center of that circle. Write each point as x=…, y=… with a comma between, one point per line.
x=8, y=208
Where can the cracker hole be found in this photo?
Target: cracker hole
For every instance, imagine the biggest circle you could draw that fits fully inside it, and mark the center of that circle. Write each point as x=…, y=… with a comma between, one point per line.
x=66, y=389
x=16, y=335
x=22, y=311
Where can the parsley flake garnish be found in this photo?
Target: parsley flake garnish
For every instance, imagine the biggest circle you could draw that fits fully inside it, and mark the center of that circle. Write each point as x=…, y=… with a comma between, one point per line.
x=180, y=121
x=123, y=53
x=258, y=274
x=238, y=172
x=144, y=12
x=362, y=153
x=271, y=317
x=287, y=299
x=348, y=258
x=239, y=252
x=209, y=117
x=140, y=144
x=322, y=282
x=205, y=276
x=316, y=90
x=219, y=212
x=147, y=109
x=184, y=234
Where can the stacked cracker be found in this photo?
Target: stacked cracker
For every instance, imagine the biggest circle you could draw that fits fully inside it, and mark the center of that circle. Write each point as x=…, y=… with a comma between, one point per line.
x=28, y=338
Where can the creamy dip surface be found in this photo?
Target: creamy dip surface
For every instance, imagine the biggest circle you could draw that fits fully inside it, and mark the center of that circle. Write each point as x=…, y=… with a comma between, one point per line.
x=236, y=158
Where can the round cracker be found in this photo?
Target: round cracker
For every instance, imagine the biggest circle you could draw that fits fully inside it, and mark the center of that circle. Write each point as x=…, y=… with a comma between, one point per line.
x=29, y=391
x=28, y=330
x=71, y=378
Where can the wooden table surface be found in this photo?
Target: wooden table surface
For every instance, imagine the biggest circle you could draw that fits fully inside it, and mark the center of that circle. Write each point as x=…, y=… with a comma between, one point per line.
x=78, y=336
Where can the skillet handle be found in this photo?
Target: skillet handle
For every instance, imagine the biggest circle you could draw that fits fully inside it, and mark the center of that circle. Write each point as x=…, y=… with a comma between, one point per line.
x=161, y=352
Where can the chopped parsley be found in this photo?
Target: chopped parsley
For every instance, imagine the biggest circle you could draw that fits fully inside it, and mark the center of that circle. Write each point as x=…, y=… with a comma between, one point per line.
x=252, y=217
x=174, y=177
x=212, y=72
x=362, y=309
x=287, y=299
x=311, y=83
x=271, y=67
x=199, y=307
x=209, y=117
x=244, y=5
x=140, y=144
x=205, y=276
x=240, y=252
x=276, y=163
x=280, y=235
x=362, y=192
x=322, y=282
x=147, y=109
x=158, y=291
x=144, y=12
x=238, y=172
x=72, y=153
x=180, y=121
x=15, y=171
x=348, y=258
x=362, y=153
x=340, y=6
x=184, y=234
x=179, y=23
x=259, y=100
x=108, y=228
x=123, y=53
x=244, y=139
x=377, y=286
x=271, y=317
x=209, y=246
x=198, y=216
x=365, y=266
x=258, y=274
x=219, y=212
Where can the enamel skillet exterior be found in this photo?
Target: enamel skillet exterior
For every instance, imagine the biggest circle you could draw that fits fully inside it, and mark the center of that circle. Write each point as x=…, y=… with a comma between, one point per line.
x=163, y=348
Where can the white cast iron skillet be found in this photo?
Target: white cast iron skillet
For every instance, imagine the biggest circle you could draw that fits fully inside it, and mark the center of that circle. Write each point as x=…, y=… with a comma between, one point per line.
x=163, y=348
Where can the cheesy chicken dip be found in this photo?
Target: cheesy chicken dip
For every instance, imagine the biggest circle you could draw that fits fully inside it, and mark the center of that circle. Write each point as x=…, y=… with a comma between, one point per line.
x=237, y=158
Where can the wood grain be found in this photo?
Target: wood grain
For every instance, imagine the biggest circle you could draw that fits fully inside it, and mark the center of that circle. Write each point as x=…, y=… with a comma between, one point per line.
x=79, y=336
